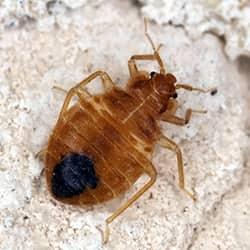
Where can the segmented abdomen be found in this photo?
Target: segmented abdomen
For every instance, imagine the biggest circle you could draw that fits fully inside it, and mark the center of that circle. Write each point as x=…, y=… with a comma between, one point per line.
x=106, y=142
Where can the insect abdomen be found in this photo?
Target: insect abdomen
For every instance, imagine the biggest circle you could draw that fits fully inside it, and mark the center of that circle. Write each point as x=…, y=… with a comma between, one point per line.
x=115, y=169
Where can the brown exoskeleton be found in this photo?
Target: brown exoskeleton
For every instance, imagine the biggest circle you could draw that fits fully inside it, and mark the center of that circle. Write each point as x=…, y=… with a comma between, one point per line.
x=103, y=143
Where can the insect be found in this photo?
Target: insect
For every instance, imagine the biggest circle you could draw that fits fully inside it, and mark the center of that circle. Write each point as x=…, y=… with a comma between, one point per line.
x=101, y=144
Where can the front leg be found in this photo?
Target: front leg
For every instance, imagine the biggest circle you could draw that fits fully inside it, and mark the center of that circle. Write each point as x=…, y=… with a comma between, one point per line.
x=171, y=118
x=133, y=69
x=169, y=114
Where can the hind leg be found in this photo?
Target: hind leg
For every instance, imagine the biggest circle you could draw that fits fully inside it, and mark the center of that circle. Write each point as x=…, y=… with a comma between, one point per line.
x=150, y=170
x=169, y=144
x=106, y=81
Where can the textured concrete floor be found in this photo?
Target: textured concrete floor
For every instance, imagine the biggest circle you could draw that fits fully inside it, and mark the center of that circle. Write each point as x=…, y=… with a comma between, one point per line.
x=60, y=44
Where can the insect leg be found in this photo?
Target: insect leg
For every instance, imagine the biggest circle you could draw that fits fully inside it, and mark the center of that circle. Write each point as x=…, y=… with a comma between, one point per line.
x=106, y=80
x=41, y=153
x=150, y=57
x=171, y=118
x=152, y=174
x=66, y=103
x=167, y=143
x=156, y=50
x=79, y=91
x=59, y=89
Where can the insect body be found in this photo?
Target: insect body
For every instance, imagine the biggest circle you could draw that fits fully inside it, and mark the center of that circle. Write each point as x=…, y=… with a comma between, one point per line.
x=102, y=144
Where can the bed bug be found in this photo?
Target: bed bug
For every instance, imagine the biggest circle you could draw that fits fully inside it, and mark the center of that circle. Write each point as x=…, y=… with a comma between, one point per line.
x=101, y=144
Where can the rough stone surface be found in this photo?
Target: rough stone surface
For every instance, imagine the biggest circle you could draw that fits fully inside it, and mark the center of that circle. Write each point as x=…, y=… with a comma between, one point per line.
x=228, y=19
x=19, y=13
x=227, y=226
x=61, y=49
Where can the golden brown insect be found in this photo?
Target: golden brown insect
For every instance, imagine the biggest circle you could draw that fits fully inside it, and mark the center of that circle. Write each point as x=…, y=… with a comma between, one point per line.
x=102, y=144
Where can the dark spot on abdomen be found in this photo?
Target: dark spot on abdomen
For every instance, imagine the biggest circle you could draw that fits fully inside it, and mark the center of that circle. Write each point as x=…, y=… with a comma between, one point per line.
x=72, y=175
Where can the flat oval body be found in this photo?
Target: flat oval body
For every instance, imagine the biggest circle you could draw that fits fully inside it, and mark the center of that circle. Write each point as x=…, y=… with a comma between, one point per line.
x=101, y=147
